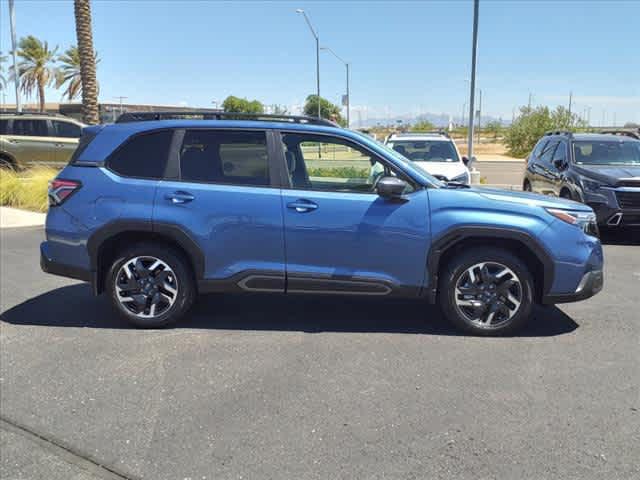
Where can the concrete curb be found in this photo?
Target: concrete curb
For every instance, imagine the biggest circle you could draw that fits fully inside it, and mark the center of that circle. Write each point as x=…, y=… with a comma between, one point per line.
x=14, y=218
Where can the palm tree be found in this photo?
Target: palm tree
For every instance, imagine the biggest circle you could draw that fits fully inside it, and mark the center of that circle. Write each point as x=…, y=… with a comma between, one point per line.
x=3, y=80
x=36, y=70
x=86, y=53
x=69, y=72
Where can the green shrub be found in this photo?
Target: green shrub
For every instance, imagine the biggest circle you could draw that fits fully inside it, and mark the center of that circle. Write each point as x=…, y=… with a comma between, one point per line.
x=27, y=189
x=339, y=172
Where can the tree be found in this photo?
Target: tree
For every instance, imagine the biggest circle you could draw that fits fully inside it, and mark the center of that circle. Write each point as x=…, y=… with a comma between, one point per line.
x=242, y=105
x=86, y=53
x=494, y=127
x=69, y=72
x=279, y=110
x=531, y=124
x=422, y=126
x=3, y=79
x=328, y=110
x=36, y=70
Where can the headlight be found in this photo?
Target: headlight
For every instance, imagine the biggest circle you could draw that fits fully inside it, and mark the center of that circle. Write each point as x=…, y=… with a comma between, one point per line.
x=584, y=220
x=464, y=178
x=590, y=185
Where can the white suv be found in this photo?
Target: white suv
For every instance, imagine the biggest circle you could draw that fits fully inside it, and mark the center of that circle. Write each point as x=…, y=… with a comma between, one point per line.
x=434, y=152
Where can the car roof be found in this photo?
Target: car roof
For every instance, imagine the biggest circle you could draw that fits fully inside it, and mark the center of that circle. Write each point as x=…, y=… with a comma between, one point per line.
x=603, y=137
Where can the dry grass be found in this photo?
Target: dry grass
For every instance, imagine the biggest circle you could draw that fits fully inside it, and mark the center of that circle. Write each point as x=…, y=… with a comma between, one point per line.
x=26, y=189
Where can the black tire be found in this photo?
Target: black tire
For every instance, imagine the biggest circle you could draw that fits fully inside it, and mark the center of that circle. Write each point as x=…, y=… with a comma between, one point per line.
x=6, y=163
x=453, y=272
x=184, y=282
x=526, y=186
x=566, y=194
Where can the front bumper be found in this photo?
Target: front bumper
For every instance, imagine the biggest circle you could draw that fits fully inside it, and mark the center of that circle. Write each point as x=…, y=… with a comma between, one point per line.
x=590, y=284
x=610, y=210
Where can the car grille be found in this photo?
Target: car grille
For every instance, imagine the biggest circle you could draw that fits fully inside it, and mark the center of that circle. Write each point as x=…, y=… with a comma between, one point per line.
x=629, y=182
x=628, y=199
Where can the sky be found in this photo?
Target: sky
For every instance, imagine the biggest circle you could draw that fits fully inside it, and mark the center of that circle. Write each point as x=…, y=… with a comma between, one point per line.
x=407, y=57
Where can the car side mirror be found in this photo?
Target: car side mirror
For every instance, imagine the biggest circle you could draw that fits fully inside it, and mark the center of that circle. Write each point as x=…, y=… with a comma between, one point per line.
x=465, y=160
x=560, y=164
x=391, y=187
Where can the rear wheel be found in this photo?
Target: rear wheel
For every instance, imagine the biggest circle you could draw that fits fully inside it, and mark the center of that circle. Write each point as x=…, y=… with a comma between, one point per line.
x=486, y=291
x=150, y=285
x=6, y=163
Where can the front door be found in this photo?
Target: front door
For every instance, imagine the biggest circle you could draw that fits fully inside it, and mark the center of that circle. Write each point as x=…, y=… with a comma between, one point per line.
x=224, y=200
x=340, y=236
x=30, y=140
x=65, y=138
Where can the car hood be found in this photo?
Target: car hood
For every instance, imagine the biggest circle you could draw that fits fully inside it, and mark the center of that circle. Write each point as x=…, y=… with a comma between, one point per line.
x=532, y=199
x=609, y=174
x=450, y=170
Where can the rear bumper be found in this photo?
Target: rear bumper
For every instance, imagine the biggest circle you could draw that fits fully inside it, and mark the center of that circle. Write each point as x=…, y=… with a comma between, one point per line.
x=49, y=265
x=590, y=284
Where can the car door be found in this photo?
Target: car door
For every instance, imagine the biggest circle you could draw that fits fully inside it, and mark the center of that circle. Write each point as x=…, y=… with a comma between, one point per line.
x=544, y=176
x=65, y=136
x=29, y=140
x=555, y=169
x=220, y=193
x=340, y=236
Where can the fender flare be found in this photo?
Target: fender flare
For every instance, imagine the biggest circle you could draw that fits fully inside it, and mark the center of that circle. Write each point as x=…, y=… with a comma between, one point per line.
x=452, y=237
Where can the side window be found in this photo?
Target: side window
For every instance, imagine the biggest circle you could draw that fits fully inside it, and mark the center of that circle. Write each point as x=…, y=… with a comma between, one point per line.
x=537, y=151
x=143, y=156
x=4, y=127
x=318, y=162
x=65, y=129
x=560, y=153
x=547, y=153
x=30, y=128
x=219, y=156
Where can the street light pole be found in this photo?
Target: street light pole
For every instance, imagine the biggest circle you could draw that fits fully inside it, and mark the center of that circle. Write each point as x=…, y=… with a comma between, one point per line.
x=346, y=64
x=16, y=76
x=472, y=86
x=317, y=37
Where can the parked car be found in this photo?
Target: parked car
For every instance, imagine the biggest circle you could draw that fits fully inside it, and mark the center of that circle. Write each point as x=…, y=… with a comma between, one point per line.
x=601, y=170
x=34, y=137
x=434, y=152
x=154, y=212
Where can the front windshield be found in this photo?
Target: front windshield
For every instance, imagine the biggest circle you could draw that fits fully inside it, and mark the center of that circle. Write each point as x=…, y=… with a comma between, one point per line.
x=606, y=152
x=426, y=151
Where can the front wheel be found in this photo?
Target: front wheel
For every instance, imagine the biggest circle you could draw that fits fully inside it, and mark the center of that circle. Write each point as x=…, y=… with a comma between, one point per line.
x=150, y=285
x=486, y=291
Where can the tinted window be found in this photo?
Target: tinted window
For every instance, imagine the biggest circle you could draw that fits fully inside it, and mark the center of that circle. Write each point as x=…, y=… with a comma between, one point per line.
x=561, y=152
x=218, y=156
x=317, y=162
x=65, y=129
x=30, y=128
x=4, y=127
x=537, y=151
x=143, y=156
x=547, y=153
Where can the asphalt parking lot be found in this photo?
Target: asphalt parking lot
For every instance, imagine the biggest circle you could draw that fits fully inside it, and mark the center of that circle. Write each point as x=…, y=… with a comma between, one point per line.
x=310, y=388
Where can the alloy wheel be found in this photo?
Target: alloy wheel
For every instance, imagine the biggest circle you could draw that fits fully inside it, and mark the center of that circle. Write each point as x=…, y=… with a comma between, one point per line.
x=146, y=286
x=488, y=294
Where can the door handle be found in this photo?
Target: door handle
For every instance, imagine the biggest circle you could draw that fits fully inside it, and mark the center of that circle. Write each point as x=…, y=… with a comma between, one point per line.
x=180, y=197
x=302, y=205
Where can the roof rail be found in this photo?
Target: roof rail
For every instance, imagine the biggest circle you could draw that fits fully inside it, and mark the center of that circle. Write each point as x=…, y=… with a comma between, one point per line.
x=626, y=132
x=209, y=115
x=43, y=114
x=559, y=132
x=430, y=132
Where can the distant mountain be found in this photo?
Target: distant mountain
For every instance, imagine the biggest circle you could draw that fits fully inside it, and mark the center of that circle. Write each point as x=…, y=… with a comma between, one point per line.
x=439, y=120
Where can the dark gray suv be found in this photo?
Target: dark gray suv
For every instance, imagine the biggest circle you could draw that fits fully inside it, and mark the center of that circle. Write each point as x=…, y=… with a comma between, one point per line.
x=601, y=170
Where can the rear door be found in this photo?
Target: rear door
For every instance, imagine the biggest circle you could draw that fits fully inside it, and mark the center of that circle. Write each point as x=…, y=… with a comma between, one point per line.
x=223, y=194
x=29, y=140
x=65, y=136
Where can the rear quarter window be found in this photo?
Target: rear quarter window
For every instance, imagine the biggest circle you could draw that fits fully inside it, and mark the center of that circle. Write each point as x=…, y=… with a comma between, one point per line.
x=142, y=156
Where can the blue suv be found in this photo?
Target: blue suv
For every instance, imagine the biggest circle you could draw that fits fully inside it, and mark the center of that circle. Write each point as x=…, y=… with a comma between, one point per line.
x=153, y=211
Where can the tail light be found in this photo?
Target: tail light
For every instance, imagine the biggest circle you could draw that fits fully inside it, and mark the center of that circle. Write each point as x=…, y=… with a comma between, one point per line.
x=61, y=189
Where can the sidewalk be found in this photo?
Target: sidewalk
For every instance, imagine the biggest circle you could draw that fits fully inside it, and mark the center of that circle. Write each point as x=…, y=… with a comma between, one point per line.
x=13, y=217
